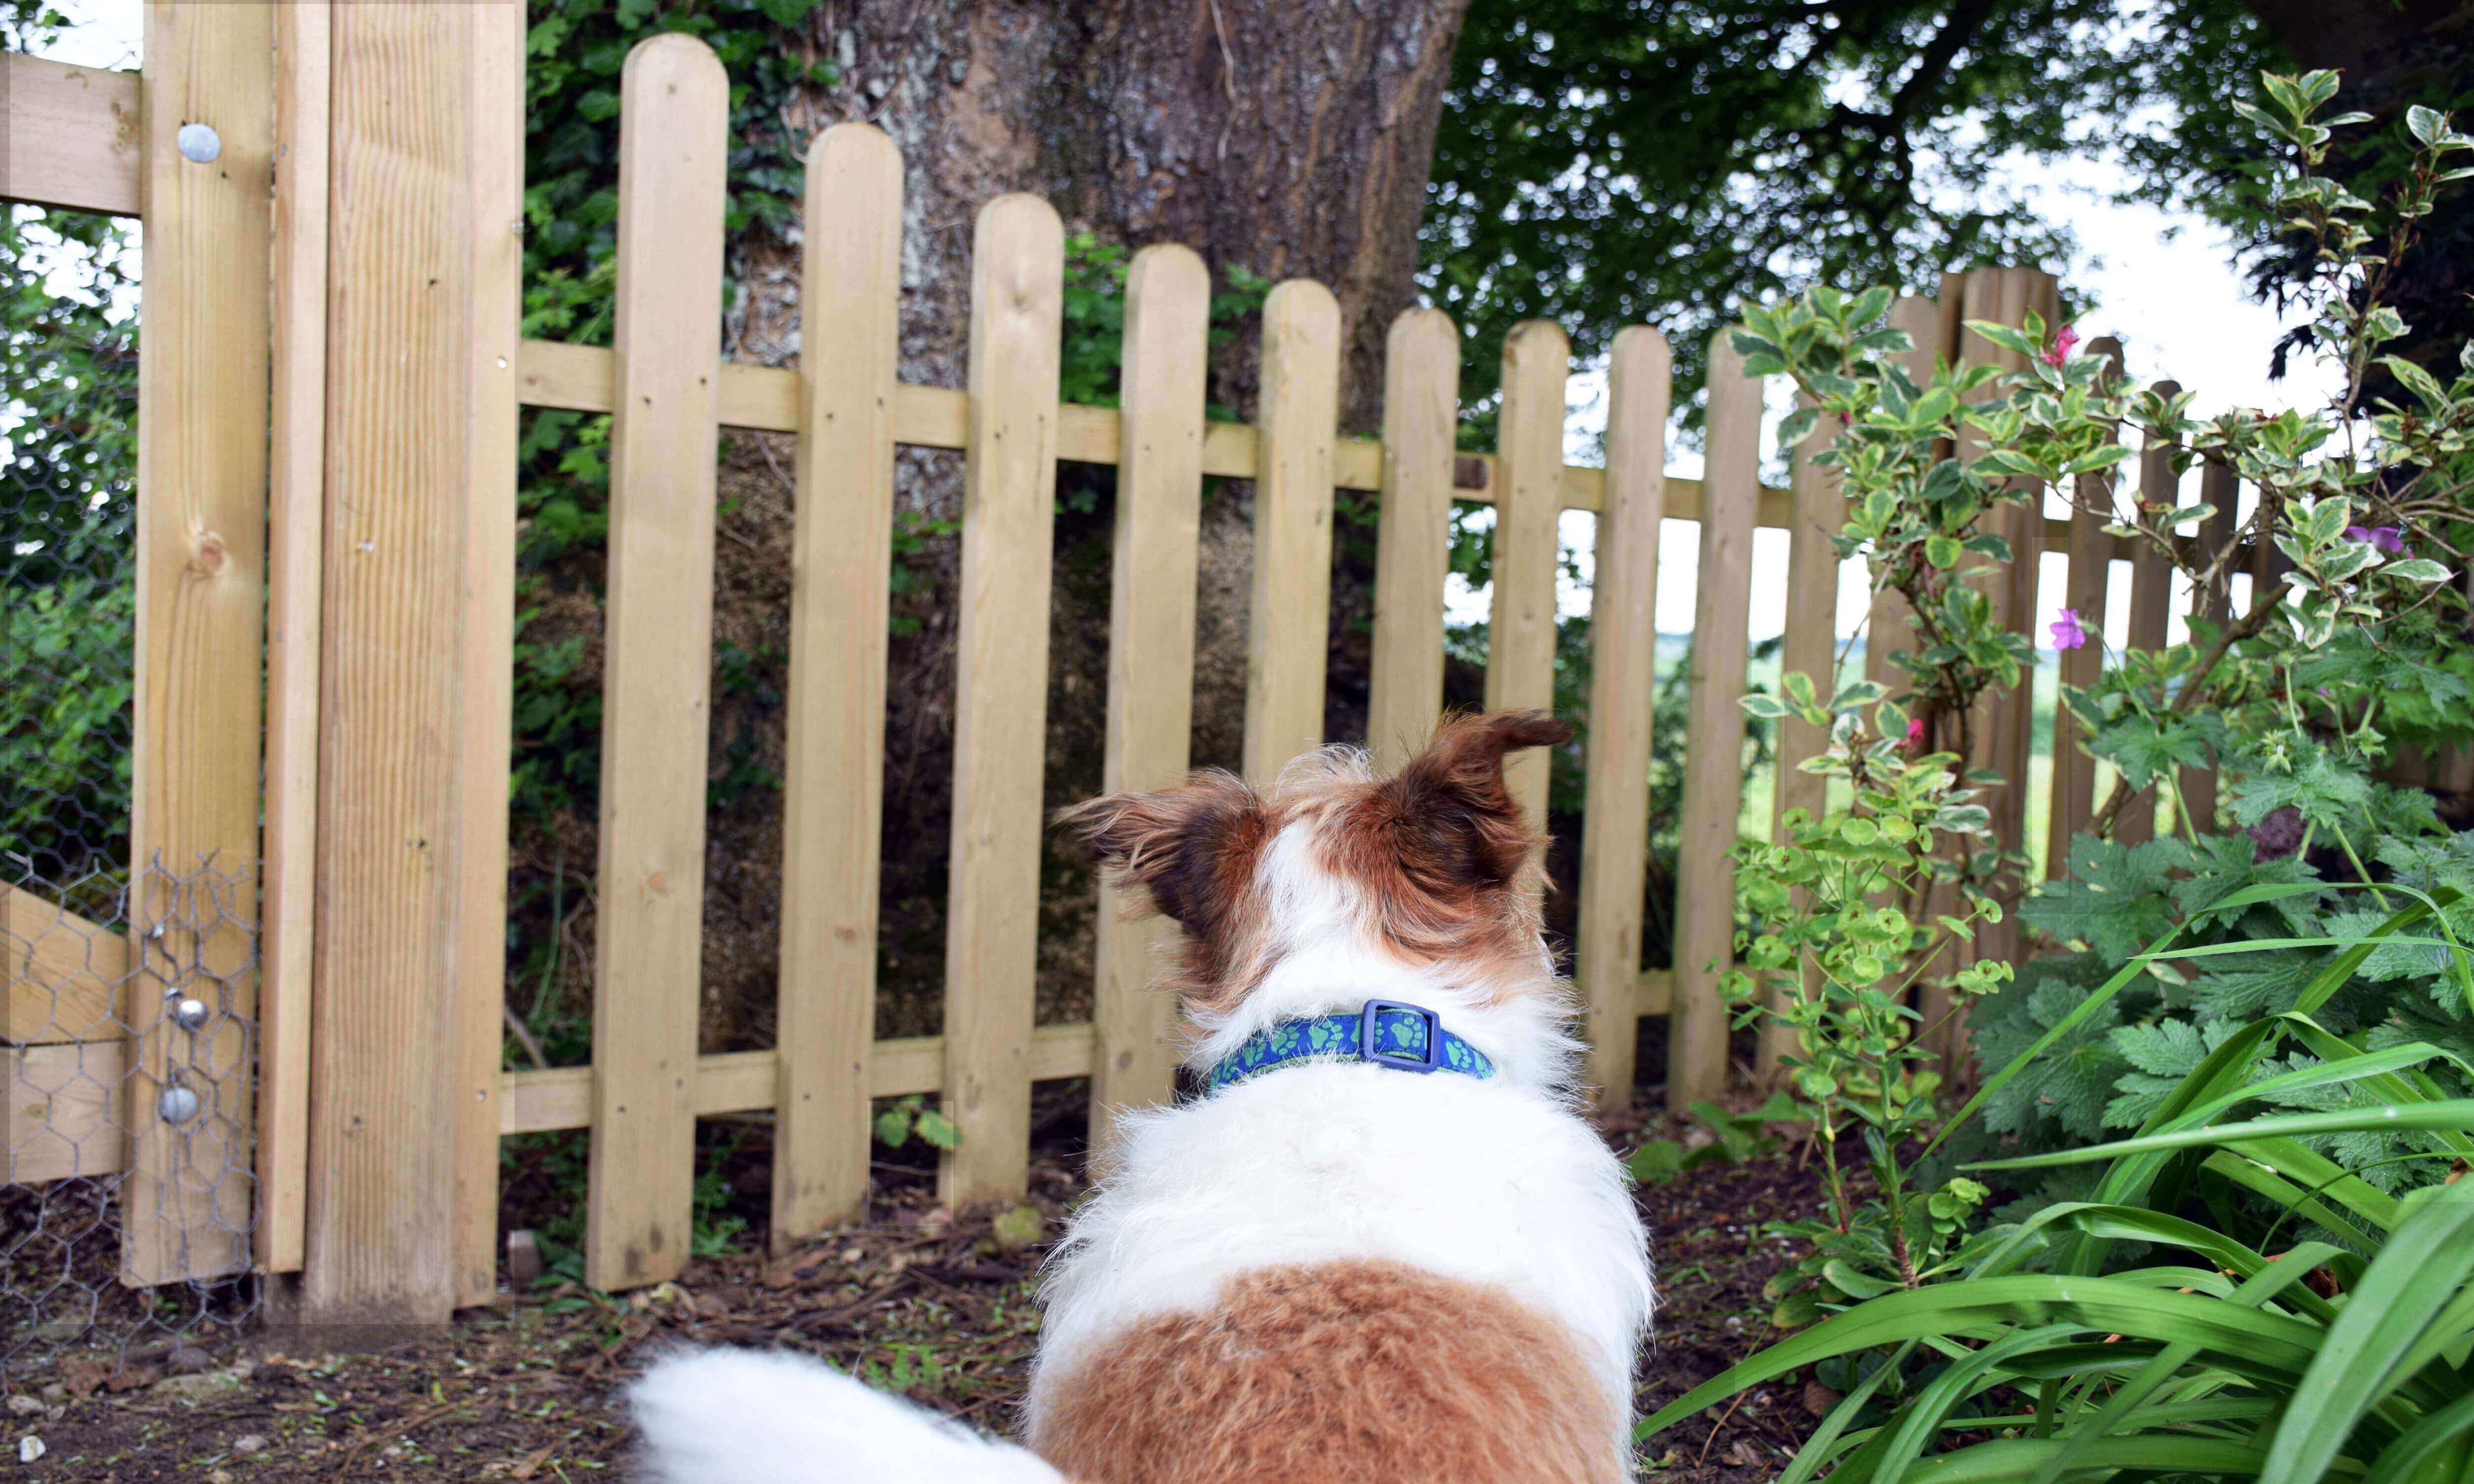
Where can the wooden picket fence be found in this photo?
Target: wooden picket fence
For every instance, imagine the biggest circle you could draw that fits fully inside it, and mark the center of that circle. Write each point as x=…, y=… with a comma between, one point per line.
x=389, y=511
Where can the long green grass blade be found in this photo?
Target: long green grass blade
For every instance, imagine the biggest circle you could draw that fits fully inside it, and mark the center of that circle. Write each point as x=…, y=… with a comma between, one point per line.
x=1920, y=1423
x=2018, y=1458
x=2453, y=1113
x=1818, y=1448
x=2426, y=1442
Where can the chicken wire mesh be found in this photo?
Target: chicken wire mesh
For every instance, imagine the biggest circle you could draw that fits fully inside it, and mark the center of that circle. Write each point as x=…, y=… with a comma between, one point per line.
x=128, y=1060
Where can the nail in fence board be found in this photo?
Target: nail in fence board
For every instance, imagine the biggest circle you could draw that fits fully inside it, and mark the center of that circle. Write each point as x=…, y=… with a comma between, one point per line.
x=841, y=567
x=648, y=932
x=1001, y=694
x=1421, y=375
x=1151, y=648
x=1623, y=647
x=1714, y=737
x=1288, y=631
x=188, y=1200
x=1521, y=630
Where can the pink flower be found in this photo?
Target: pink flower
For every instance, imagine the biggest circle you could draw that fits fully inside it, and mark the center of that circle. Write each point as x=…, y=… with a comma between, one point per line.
x=1915, y=733
x=2065, y=339
x=2067, y=632
x=2387, y=538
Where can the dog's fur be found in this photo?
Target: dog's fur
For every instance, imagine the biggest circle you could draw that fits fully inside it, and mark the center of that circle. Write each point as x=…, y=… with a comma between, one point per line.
x=1333, y=1272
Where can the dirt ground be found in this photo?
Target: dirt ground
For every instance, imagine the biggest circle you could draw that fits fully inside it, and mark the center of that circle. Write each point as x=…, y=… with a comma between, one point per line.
x=914, y=1299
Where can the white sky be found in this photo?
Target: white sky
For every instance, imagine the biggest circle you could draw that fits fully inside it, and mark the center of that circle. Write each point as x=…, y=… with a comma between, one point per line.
x=2162, y=282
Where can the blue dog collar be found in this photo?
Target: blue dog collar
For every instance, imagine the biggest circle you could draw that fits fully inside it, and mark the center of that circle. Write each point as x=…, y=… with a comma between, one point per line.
x=1386, y=1033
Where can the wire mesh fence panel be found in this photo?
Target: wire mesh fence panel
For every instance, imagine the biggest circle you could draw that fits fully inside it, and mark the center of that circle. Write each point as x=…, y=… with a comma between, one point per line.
x=76, y=984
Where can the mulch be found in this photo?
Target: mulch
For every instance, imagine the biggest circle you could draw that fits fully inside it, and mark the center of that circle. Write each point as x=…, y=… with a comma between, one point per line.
x=914, y=1298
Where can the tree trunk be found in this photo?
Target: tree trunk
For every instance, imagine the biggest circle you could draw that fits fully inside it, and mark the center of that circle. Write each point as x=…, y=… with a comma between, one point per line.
x=1290, y=140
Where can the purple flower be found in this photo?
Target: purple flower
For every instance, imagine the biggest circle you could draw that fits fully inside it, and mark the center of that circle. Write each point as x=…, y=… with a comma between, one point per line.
x=1915, y=733
x=2067, y=632
x=2387, y=538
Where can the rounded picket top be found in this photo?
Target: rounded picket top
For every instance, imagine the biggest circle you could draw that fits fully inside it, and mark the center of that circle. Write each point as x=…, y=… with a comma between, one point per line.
x=1642, y=345
x=1536, y=340
x=676, y=62
x=1166, y=270
x=854, y=145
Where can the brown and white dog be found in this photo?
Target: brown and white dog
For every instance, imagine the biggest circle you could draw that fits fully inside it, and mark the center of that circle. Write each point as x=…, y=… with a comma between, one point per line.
x=1368, y=1254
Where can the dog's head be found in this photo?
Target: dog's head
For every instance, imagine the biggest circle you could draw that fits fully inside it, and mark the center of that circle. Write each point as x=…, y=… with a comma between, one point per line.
x=1432, y=869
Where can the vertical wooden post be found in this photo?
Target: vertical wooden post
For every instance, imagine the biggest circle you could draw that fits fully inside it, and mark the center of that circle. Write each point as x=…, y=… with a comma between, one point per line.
x=833, y=814
x=1289, y=632
x=2196, y=788
x=1150, y=645
x=1001, y=694
x=422, y=202
x=1810, y=647
x=673, y=137
x=202, y=383
x=296, y=492
x=1713, y=738
x=1528, y=502
x=1422, y=378
x=2073, y=784
x=1623, y=648
x=1885, y=624
x=2151, y=597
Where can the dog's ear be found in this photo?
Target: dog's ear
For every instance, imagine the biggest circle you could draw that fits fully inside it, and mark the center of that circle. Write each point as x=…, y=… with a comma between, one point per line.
x=1192, y=847
x=1467, y=830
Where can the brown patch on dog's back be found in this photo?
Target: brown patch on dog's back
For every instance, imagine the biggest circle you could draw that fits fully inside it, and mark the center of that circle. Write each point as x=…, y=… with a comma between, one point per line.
x=1345, y=1372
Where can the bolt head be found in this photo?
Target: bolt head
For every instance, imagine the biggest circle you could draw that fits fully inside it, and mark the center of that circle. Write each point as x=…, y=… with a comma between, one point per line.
x=178, y=1105
x=192, y=1013
x=198, y=143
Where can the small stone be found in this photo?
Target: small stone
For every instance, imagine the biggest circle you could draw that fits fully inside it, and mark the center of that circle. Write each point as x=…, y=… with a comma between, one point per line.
x=187, y=1360
x=523, y=1259
x=25, y=1405
x=60, y=1328
x=29, y=1449
x=204, y=1386
x=219, y=1476
x=249, y=1442
x=1016, y=1229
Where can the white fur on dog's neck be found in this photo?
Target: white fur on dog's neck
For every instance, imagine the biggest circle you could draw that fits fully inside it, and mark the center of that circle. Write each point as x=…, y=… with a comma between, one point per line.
x=1331, y=961
x=1496, y=1182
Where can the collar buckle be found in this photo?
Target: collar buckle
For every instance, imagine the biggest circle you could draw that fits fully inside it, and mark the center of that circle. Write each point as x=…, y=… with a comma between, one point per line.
x=1370, y=1039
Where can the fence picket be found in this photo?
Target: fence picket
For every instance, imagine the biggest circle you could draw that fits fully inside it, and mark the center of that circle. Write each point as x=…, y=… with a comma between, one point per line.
x=1289, y=634
x=1810, y=646
x=2151, y=597
x=1529, y=478
x=1885, y=625
x=2072, y=799
x=1623, y=648
x=1000, y=693
x=647, y=960
x=1421, y=375
x=1714, y=736
x=2196, y=788
x=1150, y=645
x=833, y=785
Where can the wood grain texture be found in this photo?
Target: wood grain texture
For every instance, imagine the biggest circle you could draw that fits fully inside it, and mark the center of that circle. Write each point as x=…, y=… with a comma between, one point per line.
x=1422, y=378
x=296, y=543
x=2151, y=597
x=2072, y=800
x=2196, y=788
x=201, y=599
x=673, y=138
x=59, y=1116
x=1150, y=649
x=1713, y=738
x=1001, y=694
x=841, y=567
x=1810, y=646
x=64, y=973
x=1623, y=648
x=73, y=136
x=1520, y=627
x=493, y=70
x=406, y=877
x=1886, y=630
x=1289, y=631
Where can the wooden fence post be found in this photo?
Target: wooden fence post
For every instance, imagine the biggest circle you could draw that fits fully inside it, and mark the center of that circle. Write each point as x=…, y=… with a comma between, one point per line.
x=1714, y=739
x=187, y=1201
x=1623, y=650
x=1289, y=634
x=1001, y=694
x=2151, y=597
x=1885, y=624
x=1421, y=377
x=1528, y=504
x=833, y=809
x=425, y=193
x=2196, y=788
x=1151, y=646
x=673, y=137
x=2073, y=785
